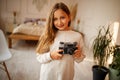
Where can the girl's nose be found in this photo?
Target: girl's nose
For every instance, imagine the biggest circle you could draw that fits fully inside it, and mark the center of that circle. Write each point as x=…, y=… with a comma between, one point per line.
x=59, y=22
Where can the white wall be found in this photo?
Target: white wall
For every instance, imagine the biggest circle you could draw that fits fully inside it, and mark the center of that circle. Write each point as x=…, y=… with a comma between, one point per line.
x=92, y=14
x=26, y=9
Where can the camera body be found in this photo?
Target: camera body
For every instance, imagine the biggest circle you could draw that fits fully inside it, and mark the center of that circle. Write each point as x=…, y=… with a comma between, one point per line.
x=68, y=47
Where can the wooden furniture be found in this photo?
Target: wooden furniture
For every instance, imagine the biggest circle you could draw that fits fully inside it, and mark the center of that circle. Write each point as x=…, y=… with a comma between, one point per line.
x=31, y=29
x=20, y=37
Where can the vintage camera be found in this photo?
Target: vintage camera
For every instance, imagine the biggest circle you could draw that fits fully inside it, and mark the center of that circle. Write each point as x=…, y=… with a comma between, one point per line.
x=68, y=47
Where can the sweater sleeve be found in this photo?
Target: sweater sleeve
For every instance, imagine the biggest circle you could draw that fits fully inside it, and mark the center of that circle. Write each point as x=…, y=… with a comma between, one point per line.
x=82, y=47
x=44, y=58
x=80, y=59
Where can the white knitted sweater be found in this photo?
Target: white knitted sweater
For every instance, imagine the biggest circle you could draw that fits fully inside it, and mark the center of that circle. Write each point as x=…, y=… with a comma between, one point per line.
x=60, y=69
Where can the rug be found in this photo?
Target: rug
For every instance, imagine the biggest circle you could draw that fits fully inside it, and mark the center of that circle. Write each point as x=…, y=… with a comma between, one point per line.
x=23, y=64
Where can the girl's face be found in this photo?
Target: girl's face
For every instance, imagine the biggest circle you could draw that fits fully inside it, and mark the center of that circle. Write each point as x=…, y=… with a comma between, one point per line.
x=61, y=20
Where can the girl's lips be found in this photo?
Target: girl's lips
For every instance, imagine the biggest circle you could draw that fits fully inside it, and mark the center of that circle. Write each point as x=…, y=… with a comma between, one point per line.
x=60, y=26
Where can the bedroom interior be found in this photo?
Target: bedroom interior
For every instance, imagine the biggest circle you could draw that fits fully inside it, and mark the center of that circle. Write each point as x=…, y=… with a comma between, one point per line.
x=25, y=20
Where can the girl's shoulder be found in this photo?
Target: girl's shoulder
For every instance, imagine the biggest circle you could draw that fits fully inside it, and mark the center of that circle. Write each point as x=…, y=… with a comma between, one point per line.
x=78, y=33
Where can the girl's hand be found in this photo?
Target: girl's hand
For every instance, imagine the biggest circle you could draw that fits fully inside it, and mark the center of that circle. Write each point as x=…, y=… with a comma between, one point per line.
x=77, y=53
x=56, y=55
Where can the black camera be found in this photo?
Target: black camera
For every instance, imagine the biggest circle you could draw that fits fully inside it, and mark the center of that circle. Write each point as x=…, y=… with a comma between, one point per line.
x=68, y=47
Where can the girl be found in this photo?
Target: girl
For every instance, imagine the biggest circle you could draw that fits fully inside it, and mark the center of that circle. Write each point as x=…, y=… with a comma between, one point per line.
x=56, y=66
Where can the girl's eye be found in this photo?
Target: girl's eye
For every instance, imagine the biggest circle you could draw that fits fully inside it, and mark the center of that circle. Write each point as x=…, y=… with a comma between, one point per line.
x=55, y=19
x=62, y=17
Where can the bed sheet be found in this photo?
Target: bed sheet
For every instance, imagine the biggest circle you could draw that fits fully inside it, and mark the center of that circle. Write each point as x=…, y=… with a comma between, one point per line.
x=29, y=29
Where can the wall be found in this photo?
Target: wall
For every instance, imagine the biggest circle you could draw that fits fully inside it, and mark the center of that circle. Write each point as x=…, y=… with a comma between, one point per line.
x=1, y=23
x=27, y=9
x=92, y=14
x=95, y=13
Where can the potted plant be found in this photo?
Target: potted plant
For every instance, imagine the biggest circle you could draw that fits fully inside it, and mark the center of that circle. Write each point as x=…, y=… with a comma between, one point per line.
x=114, y=67
x=101, y=51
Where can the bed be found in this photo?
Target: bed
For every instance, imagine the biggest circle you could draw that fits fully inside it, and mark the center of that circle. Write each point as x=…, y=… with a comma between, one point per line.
x=30, y=29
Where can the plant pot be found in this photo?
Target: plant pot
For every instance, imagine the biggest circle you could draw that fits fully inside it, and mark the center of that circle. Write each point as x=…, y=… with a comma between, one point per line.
x=99, y=73
x=113, y=74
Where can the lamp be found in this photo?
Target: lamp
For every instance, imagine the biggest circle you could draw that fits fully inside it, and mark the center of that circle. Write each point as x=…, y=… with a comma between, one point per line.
x=14, y=15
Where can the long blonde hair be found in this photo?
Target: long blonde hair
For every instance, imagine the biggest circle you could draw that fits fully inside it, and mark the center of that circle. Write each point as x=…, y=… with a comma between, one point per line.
x=47, y=38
